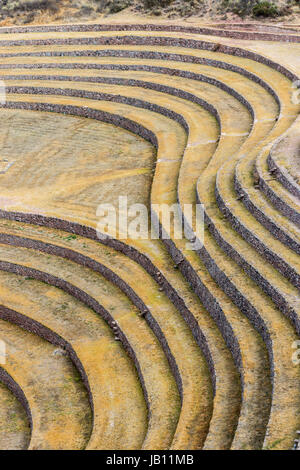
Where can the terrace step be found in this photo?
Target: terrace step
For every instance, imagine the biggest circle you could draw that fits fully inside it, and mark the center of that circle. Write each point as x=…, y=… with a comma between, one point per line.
x=282, y=160
x=273, y=327
x=246, y=436
x=91, y=284
x=226, y=401
x=283, y=258
x=195, y=355
x=235, y=30
x=225, y=192
x=267, y=319
x=161, y=123
x=255, y=201
x=261, y=208
x=281, y=198
x=229, y=276
x=58, y=402
x=91, y=346
x=157, y=379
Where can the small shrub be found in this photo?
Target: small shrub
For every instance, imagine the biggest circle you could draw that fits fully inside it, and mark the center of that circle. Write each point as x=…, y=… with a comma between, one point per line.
x=266, y=9
x=70, y=237
x=156, y=3
x=119, y=5
x=239, y=7
x=29, y=5
x=86, y=10
x=112, y=6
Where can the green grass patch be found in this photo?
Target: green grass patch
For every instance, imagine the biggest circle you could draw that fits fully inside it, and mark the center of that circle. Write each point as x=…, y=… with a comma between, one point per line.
x=265, y=9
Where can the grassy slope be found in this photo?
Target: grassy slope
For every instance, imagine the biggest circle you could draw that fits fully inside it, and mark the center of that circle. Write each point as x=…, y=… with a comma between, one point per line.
x=45, y=11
